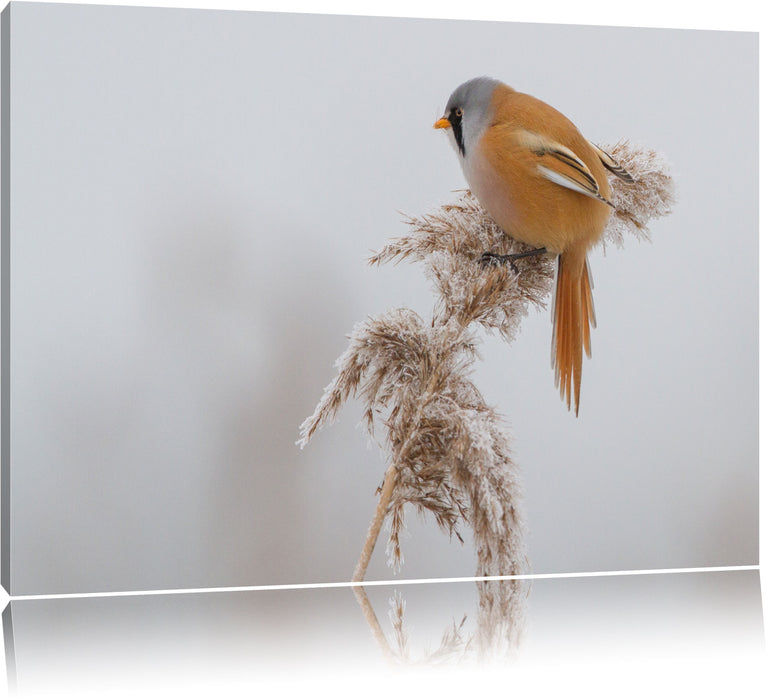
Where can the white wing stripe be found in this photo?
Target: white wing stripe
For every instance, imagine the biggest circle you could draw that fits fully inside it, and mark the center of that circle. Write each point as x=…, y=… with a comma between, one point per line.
x=570, y=183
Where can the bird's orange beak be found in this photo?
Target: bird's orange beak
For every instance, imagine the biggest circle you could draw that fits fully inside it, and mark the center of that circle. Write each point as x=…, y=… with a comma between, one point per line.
x=442, y=123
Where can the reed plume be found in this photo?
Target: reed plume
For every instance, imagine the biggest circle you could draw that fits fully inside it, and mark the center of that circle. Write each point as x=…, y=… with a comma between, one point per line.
x=448, y=450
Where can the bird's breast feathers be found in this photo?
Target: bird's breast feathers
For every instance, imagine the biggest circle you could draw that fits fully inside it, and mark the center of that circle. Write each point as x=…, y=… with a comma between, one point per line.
x=491, y=189
x=537, y=189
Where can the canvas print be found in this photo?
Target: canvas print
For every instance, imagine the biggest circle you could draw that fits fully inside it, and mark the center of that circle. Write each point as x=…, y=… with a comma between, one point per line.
x=392, y=352
x=522, y=278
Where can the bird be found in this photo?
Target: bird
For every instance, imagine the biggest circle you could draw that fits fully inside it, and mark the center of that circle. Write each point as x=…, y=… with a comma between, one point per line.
x=545, y=185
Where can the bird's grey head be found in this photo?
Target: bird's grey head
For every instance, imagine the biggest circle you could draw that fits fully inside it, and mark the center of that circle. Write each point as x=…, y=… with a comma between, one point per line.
x=468, y=111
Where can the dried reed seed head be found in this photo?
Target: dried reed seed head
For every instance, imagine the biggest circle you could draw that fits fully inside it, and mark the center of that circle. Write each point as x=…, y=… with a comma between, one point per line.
x=451, y=450
x=651, y=195
x=380, y=357
x=451, y=242
x=453, y=461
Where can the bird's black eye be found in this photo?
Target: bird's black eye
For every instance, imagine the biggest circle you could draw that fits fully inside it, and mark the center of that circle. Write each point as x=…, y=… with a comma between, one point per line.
x=456, y=122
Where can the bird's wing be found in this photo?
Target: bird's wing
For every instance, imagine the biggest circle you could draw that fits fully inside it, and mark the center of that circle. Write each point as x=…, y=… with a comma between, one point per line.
x=561, y=165
x=612, y=165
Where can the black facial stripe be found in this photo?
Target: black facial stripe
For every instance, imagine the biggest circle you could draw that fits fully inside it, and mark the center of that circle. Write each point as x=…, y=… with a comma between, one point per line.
x=455, y=122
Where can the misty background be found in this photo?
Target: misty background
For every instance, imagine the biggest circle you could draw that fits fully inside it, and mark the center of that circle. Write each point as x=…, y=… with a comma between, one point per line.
x=193, y=198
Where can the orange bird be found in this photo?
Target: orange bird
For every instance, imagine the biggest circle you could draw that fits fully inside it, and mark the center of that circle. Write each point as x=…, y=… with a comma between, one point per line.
x=545, y=185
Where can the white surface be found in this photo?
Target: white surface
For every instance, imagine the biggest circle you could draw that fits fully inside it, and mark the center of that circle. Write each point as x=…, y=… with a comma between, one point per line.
x=648, y=635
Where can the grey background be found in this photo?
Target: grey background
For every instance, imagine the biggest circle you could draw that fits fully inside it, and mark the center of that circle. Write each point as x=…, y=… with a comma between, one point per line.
x=193, y=196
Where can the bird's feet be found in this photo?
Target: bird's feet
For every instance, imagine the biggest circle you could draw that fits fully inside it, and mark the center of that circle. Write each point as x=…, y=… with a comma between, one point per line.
x=492, y=259
x=498, y=259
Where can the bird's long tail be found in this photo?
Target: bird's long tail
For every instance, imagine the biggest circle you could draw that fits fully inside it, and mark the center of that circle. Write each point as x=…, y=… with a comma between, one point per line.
x=573, y=317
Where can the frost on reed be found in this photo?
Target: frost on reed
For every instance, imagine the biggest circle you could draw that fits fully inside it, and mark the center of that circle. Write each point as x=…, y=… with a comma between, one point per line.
x=450, y=449
x=651, y=196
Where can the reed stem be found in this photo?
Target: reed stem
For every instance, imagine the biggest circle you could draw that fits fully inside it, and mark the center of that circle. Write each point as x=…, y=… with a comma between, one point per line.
x=389, y=482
